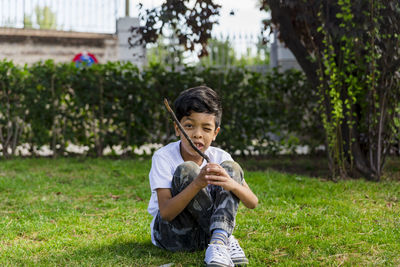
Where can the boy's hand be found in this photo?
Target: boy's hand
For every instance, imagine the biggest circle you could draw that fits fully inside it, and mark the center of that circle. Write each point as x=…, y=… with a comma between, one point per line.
x=201, y=180
x=217, y=175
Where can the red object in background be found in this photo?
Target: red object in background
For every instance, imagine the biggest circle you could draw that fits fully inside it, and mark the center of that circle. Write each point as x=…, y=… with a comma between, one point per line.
x=85, y=58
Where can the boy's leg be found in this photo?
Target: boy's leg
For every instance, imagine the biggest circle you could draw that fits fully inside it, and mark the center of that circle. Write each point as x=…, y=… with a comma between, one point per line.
x=223, y=219
x=201, y=206
x=226, y=203
x=190, y=229
x=225, y=214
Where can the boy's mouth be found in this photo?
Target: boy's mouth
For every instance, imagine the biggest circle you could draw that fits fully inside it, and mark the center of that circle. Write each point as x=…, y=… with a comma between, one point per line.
x=199, y=145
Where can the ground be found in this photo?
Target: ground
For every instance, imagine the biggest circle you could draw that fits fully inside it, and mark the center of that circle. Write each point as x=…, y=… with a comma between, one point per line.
x=92, y=212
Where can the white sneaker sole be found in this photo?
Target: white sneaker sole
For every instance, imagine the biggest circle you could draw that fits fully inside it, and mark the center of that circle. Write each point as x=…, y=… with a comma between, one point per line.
x=212, y=264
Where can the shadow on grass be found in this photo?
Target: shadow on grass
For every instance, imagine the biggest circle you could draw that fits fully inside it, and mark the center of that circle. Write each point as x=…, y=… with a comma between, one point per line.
x=392, y=169
x=313, y=166
x=127, y=253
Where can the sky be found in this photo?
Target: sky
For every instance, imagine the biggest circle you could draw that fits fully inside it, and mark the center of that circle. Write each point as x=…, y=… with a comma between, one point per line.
x=247, y=18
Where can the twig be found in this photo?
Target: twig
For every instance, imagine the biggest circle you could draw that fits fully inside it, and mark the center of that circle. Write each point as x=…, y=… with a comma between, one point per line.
x=183, y=131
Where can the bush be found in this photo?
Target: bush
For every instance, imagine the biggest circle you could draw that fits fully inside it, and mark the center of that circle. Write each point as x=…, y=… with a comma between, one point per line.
x=112, y=104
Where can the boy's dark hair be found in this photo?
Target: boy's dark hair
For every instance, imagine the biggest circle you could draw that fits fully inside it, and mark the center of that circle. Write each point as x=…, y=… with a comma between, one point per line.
x=200, y=99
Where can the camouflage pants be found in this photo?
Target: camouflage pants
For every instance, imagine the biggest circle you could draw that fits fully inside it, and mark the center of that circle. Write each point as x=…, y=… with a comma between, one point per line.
x=212, y=208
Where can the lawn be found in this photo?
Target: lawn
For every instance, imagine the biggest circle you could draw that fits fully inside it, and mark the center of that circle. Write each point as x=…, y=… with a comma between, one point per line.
x=92, y=212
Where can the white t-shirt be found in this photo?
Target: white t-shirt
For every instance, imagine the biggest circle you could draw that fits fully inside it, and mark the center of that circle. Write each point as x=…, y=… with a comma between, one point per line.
x=163, y=165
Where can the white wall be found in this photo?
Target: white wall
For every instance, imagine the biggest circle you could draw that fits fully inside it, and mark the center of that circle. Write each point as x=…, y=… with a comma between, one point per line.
x=137, y=54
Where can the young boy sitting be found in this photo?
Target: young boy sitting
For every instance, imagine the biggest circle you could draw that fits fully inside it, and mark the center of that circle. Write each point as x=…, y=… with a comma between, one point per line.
x=194, y=203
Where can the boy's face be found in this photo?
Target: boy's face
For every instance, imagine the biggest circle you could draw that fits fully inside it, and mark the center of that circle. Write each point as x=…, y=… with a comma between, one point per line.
x=200, y=127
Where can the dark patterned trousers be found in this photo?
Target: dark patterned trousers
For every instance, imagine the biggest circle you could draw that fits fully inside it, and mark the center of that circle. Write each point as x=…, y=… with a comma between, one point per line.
x=212, y=208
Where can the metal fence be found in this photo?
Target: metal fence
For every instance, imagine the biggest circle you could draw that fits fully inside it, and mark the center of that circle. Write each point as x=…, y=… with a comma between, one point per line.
x=241, y=41
x=66, y=15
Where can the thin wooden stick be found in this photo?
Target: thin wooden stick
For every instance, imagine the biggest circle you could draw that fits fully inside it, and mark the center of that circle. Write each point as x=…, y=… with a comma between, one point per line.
x=183, y=131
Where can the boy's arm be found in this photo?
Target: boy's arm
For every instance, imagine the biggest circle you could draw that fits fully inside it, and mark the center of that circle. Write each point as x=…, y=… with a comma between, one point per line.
x=218, y=176
x=170, y=206
x=244, y=193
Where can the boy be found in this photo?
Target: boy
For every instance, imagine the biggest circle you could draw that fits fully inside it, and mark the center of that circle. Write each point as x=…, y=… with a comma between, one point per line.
x=194, y=203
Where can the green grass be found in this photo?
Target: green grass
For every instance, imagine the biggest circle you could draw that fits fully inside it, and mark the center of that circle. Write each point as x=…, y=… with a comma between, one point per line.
x=92, y=212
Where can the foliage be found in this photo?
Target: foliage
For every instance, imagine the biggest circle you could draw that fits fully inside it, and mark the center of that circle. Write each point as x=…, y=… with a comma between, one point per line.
x=190, y=26
x=265, y=111
x=92, y=212
x=45, y=19
x=261, y=56
x=46, y=98
x=396, y=146
x=222, y=53
x=12, y=108
x=354, y=48
x=115, y=104
x=166, y=53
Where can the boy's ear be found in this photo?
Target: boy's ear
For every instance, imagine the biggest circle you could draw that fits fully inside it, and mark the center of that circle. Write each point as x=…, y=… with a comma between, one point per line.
x=176, y=129
x=216, y=133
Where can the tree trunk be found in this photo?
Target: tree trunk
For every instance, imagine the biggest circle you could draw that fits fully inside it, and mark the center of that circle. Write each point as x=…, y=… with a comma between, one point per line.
x=281, y=15
x=101, y=129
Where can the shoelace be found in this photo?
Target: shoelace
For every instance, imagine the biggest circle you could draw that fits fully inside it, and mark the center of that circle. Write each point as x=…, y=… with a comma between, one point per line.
x=235, y=249
x=218, y=253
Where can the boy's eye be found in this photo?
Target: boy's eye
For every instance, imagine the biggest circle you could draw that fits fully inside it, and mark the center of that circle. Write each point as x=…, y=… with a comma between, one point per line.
x=187, y=125
x=207, y=129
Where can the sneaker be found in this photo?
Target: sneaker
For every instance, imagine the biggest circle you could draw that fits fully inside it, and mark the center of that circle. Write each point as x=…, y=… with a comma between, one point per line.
x=236, y=252
x=217, y=256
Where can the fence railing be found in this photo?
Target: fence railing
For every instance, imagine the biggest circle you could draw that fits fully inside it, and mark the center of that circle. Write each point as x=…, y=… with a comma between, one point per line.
x=66, y=15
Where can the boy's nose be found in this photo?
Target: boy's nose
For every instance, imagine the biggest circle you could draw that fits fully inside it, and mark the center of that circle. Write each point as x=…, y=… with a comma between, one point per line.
x=197, y=134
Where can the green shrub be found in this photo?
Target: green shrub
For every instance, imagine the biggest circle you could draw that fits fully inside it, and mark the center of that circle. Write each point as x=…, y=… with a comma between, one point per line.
x=116, y=104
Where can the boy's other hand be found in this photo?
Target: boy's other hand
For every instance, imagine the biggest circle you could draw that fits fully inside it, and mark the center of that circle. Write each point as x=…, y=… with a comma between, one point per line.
x=201, y=180
x=217, y=175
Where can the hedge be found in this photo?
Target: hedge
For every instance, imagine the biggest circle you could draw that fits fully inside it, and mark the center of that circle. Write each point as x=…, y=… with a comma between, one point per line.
x=115, y=104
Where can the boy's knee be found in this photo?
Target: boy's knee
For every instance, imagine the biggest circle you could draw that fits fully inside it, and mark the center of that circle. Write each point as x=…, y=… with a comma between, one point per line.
x=234, y=170
x=187, y=171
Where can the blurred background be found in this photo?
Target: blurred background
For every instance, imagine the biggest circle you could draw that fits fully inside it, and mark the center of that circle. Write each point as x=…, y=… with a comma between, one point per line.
x=34, y=30
x=54, y=96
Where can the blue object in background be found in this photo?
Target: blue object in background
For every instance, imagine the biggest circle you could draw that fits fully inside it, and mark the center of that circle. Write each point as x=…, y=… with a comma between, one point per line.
x=85, y=59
